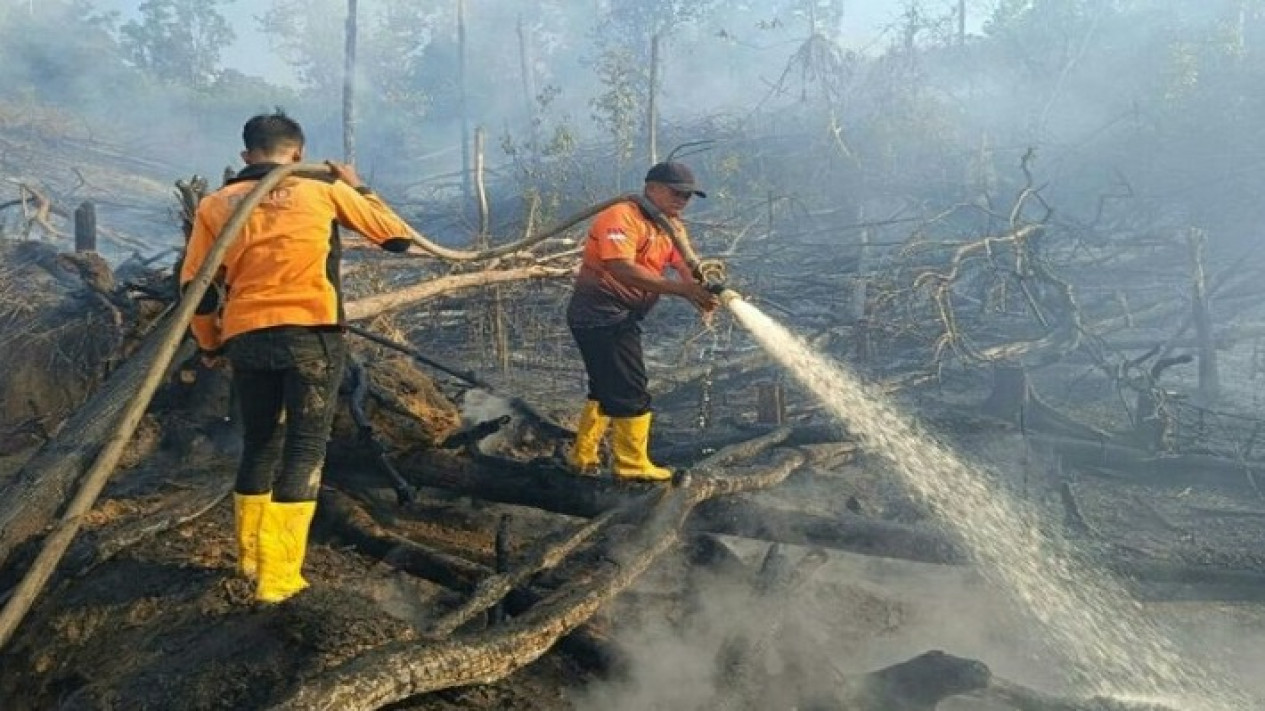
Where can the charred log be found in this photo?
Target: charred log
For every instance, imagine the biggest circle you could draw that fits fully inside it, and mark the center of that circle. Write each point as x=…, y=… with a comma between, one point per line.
x=552, y=488
x=918, y=684
x=397, y=671
x=841, y=530
x=741, y=671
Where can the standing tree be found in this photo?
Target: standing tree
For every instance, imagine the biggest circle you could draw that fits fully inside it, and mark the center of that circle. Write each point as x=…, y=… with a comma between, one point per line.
x=349, y=84
x=617, y=108
x=391, y=37
x=631, y=38
x=178, y=41
x=306, y=33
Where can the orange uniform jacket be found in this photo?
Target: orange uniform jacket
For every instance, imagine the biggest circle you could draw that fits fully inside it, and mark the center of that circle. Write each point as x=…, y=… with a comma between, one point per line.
x=621, y=231
x=283, y=270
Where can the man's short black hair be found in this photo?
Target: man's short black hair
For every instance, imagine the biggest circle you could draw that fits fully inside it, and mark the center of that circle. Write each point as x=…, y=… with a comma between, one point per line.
x=267, y=133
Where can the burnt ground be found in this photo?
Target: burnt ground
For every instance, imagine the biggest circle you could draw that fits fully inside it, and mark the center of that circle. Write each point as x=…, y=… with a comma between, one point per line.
x=166, y=623
x=163, y=623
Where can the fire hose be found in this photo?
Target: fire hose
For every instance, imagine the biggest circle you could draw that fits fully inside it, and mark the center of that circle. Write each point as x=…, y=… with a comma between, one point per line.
x=460, y=255
x=170, y=334
x=711, y=273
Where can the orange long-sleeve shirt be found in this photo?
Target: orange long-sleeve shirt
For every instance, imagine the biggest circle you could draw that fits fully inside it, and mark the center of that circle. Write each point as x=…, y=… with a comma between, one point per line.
x=283, y=270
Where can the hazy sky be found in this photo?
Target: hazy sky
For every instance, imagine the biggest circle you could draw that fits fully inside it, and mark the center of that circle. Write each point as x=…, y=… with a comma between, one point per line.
x=863, y=26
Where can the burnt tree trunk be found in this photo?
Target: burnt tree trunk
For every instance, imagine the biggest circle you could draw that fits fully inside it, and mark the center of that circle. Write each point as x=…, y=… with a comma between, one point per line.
x=1209, y=388
x=349, y=85
x=1013, y=399
x=652, y=107
x=462, y=104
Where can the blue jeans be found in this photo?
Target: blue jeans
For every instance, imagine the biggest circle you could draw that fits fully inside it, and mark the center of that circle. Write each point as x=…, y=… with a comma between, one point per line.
x=295, y=370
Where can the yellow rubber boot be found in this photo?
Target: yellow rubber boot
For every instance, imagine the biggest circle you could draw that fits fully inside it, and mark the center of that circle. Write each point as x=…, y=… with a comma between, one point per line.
x=282, y=547
x=631, y=441
x=248, y=512
x=585, y=457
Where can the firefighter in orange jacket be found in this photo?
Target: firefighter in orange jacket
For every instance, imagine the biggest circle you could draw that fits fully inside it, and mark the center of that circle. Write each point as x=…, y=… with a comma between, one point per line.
x=621, y=278
x=280, y=324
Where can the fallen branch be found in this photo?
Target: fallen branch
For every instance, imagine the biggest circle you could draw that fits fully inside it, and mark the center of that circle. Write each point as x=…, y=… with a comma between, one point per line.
x=840, y=530
x=547, y=554
x=372, y=306
x=1023, y=698
x=1145, y=467
x=352, y=524
x=703, y=445
x=553, y=489
x=742, y=667
x=187, y=506
x=38, y=215
x=398, y=670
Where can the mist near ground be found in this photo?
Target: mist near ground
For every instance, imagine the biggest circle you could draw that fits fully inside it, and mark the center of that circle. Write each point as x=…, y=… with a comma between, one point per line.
x=812, y=122
x=861, y=614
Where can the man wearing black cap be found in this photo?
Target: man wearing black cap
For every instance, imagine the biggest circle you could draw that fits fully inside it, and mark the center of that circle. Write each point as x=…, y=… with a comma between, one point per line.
x=620, y=279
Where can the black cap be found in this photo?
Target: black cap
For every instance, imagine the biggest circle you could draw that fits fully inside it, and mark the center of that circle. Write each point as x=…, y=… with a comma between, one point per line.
x=677, y=176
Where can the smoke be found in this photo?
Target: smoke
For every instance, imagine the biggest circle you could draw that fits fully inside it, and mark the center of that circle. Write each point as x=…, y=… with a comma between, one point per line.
x=1107, y=96
x=1139, y=120
x=481, y=406
x=478, y=406
x=855, y=615
x=677, y=627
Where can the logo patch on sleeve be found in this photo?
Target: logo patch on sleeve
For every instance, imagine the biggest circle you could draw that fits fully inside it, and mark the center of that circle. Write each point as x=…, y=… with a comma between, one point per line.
x=616, y=234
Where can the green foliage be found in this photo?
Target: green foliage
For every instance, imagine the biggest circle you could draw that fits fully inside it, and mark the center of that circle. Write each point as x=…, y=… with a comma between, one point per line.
x=64, y=70
x=546, y=167
x=1046, y=25
x=402, y=43
x=394, y=38
x=1111, y=91
x=623, y=38
x=310, y=35
x=619, y=108
x=396, y=41
x=179, y=41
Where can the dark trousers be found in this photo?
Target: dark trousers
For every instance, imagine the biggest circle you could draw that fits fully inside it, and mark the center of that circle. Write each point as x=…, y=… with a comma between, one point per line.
x=295, y=370
x=615, y=366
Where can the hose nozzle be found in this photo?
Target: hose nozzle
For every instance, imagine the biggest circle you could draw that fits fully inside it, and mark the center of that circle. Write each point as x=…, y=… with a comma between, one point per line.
x=711, y=274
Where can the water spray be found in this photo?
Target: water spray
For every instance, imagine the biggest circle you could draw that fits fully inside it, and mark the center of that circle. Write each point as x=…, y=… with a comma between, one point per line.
x=1110, y=643
x=1107, y=641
